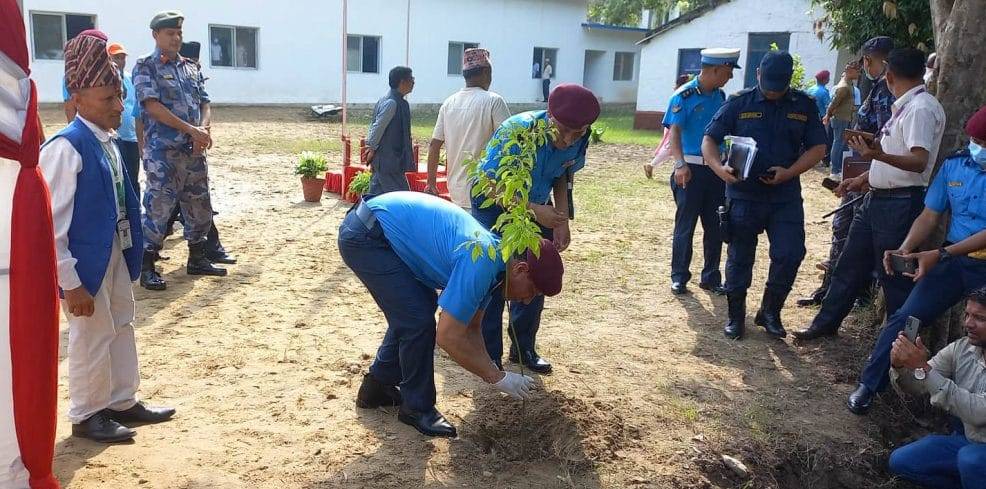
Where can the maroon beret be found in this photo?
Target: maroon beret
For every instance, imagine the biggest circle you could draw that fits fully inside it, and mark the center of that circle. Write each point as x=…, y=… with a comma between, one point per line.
x=546, y=270
x=572, y=105
x=976, y=127
x=823, y=75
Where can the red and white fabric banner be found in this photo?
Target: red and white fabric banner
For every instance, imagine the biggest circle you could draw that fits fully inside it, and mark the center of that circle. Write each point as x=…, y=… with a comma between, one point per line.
x=28, y=281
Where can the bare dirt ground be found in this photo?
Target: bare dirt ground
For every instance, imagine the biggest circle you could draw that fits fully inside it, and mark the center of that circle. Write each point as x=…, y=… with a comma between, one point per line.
x=264, y=365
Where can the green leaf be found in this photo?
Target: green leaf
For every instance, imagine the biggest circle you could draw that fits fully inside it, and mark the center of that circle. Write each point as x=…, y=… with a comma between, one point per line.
x=476, y=253
x=491, y=251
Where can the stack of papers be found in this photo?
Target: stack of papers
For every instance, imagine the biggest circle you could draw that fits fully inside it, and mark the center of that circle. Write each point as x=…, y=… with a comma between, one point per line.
x=741, y=152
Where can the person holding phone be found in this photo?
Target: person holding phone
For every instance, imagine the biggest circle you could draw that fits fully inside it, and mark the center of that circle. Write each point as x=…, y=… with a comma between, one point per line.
x=770, y=200
x=943, y=276
x=903, y=158
x=953, y=380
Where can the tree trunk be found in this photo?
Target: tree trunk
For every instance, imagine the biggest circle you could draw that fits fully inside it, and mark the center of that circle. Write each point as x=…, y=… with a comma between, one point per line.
x=959, y=37
x=959, y=86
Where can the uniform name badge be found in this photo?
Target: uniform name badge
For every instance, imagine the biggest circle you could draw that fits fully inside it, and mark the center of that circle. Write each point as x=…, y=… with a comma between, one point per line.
x=123, y=232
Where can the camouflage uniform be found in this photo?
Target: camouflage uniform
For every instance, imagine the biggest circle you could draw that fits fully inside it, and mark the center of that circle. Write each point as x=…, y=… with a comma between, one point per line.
x=173, y=173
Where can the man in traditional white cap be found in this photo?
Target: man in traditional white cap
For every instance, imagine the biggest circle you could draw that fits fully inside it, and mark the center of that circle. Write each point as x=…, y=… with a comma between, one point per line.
x=697, y=191
x=465, y=124
x=98, y=246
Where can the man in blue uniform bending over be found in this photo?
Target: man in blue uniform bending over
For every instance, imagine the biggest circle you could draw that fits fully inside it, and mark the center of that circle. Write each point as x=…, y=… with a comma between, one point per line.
x=405, y=245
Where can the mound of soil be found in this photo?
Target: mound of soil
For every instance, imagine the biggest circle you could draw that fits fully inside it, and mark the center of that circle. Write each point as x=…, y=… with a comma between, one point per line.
x=551, y=427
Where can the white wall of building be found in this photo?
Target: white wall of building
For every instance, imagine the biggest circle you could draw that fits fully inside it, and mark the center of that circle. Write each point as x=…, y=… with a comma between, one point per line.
x=300, y=45
x=729, y=26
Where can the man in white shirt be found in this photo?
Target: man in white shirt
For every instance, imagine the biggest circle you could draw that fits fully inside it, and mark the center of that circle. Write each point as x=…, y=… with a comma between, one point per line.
x=96, y=220
x=465, y=125
x=903, y=157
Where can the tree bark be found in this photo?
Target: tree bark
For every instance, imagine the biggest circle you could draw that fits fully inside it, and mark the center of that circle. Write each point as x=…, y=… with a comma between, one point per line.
x=959, y=38
x=959, y=86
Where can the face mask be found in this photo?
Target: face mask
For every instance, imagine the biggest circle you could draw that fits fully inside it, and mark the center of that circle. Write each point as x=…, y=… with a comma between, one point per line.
x=978, y=154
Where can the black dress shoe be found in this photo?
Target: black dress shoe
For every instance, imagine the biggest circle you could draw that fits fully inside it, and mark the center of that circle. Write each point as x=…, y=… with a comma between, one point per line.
x=678, y=288
x=140, y=413
x=532, y=361
x=99, y=427
x=715, y=289
x=860, y=400
x=373, y=394
x=814, y=332
x=430, y=423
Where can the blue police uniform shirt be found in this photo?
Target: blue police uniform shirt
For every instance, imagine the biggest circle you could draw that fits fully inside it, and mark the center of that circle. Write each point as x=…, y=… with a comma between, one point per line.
x=783, y=129
x=692, y=110
x=822, y=97
x=550, y=162
x=960, y=186
x=876, y=109
x=427, y=234
x=65, y=94
x=127, y=130
x=178, y=85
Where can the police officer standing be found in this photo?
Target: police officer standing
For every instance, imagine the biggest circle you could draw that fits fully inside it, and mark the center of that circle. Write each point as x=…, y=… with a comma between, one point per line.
x=176, y=119
x=790, y=139
x=698, y=192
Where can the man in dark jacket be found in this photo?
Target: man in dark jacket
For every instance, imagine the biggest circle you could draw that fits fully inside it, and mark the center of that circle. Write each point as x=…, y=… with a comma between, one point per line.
x=388, y=144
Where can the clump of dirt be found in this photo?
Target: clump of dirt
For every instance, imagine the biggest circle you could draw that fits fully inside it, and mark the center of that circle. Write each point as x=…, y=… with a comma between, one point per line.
x=552, y=427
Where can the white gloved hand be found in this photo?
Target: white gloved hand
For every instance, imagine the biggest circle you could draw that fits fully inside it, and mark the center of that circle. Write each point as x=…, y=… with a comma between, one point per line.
x=518, y=386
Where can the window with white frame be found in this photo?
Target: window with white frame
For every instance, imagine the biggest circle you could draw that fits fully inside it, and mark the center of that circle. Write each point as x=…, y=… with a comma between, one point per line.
x=232, y=46
x=51, y=30
x=363, y=54
x=623, y=67
x=455, y=53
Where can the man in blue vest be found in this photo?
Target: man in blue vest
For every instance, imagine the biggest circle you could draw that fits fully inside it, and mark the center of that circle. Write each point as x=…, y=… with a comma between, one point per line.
x=97, y=241
x=405, y=245
x=790, y=140
x=697, y=191
x=389, y=149
x=571, y=110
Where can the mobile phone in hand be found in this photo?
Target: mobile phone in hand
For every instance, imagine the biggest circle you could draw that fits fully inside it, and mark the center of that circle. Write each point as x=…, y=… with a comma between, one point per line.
x=830, y=184
x=847, y=134
x=768, y=175
x=911, y=327
x=900, y=264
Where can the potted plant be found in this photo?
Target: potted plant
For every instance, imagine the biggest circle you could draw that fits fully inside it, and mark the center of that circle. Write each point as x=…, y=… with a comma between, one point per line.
x=311, y=166
x=360, y=184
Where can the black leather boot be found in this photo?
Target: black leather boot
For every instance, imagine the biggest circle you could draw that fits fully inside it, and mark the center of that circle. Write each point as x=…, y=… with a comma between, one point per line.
x=216, y=253
x=149, y=278
x=736, y=325
x=373, y=394
x=199, y=264
x=769, y=315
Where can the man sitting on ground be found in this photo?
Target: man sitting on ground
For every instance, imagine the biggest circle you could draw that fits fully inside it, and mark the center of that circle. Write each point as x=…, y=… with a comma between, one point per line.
x=954, y=380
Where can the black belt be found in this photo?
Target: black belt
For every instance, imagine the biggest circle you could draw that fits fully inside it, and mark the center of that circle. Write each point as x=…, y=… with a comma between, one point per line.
x=898, y=193
x=365, y=215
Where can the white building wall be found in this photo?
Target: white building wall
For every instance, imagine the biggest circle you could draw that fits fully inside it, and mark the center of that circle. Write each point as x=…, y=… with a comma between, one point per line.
x=728, y=26
x=300, y=45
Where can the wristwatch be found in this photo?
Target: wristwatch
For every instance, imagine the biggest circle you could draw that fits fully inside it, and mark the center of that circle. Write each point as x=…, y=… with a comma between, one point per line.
x=679, y=164
x=943, y=254
x=920, y=373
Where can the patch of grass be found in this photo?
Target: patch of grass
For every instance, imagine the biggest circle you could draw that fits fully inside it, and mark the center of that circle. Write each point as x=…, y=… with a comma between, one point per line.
x=276, y=145
x=619, y=128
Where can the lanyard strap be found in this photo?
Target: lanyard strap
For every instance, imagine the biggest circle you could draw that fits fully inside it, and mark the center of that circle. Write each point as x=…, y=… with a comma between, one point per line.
x=895, y=116
x=117, y=171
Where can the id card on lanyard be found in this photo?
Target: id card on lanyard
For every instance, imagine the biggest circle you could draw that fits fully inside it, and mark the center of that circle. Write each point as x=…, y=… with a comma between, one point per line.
x=119, y=191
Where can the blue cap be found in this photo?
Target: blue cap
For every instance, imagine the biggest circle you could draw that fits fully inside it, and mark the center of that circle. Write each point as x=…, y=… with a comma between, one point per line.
x=776, y=69
x=879, y=44
x=721, y=56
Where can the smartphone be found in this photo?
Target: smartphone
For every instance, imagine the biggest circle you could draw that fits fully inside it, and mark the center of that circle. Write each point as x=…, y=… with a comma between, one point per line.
x=899, y=264
x=768, y=175
x=850, y=133
x=911, y=327
x=830, y=184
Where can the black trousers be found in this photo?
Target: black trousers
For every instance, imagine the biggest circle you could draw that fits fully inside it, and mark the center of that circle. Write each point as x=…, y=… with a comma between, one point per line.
x=131, y=159
x=545, y=87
